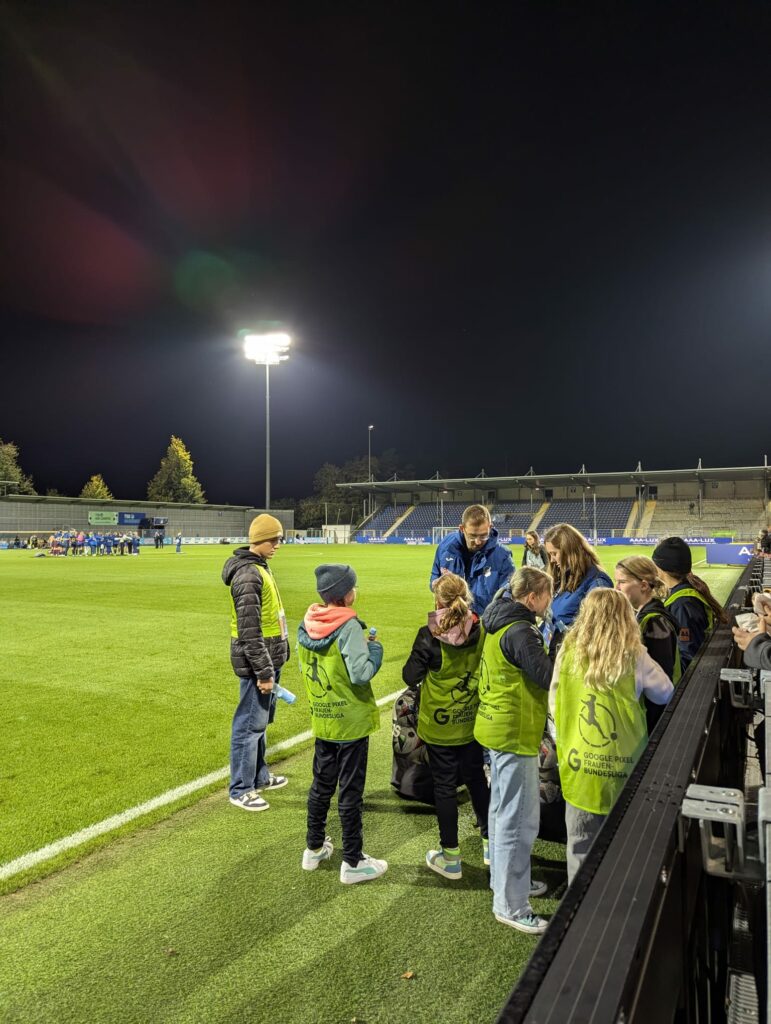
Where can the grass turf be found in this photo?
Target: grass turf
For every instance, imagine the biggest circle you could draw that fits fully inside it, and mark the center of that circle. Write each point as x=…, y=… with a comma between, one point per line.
x=116, y=686
x=115, y=683
x=207, y=916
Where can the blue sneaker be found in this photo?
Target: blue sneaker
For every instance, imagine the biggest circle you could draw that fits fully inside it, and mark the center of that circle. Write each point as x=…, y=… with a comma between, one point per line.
x=530, y=923
x=446, y=864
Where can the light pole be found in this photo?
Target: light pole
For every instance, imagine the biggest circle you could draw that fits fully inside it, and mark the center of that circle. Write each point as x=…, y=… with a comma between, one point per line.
x=370, y=428
x=267, y=348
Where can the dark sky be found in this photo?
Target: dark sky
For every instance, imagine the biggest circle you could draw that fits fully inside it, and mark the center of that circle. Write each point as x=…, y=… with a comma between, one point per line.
x=505, y=234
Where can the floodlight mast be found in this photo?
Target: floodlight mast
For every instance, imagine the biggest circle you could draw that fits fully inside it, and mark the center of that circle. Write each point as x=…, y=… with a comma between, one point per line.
x=267, y=348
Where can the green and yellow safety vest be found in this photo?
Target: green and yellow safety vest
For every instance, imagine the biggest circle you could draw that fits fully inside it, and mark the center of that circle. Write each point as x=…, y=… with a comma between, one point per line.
x=512, y=709
x=677, y=671
x=600, y=737
x=273, y=617
x=449, y=696
x=690, y=592
x=340, y=711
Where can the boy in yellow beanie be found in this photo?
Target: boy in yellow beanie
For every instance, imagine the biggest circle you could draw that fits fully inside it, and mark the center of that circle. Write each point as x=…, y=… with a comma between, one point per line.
x=258, y=650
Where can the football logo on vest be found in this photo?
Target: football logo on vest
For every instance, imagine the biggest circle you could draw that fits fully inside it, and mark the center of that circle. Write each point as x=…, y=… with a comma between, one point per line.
x=596, y=723
x=317, y=679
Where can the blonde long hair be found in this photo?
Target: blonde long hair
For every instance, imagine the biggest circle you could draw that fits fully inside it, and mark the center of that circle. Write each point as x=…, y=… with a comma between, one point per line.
x=605, y=638
x=453, y=595
x=576, y=555
x=644, y=571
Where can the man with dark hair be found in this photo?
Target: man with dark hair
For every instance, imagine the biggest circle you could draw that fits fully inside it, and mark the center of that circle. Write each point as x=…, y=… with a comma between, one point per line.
x=474, y=553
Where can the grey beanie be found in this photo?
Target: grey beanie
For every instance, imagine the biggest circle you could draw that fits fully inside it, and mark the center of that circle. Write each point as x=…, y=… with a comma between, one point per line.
x=333, y=582
x=673, y=556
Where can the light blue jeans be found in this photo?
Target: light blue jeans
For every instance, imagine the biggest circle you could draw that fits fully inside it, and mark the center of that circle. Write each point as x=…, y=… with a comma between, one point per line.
x=513, y=828
x=248, y=769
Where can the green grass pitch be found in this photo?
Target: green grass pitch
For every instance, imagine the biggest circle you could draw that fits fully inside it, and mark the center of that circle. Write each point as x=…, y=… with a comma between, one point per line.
x=115, y=686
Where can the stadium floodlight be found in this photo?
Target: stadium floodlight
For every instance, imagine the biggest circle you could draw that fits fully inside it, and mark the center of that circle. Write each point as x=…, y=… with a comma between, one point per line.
x=266, y=348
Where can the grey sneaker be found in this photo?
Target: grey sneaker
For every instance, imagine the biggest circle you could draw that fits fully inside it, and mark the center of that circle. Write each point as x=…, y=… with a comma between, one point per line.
x=274, y=782
x=251, y=801
x=366, y=870
x=312, y=858
x=531, y=923
x=538, y=888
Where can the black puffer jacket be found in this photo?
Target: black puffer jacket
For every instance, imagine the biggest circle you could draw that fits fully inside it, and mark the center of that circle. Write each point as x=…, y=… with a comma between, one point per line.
x=251, y=653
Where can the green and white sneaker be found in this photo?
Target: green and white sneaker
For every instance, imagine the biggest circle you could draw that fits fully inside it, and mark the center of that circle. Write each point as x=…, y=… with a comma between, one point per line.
x=251, y=801
x=312, y=858
x=530, y=923
x=444, y=863
x=366, y=870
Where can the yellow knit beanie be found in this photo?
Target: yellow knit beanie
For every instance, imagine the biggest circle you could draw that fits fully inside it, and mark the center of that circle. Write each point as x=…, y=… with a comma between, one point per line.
x=264, y=527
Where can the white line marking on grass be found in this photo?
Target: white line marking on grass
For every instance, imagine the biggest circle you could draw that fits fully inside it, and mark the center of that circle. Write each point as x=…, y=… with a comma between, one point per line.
x=29, y=860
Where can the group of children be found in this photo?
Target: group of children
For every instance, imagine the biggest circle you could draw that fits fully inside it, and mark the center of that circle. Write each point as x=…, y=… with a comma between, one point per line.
x=493, y=683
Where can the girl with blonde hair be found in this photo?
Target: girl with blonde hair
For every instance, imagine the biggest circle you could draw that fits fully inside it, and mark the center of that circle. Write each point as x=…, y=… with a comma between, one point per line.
x=513, y=696
x=444, y=663
x=575, y=569
x=601, y=672
x=638, y=578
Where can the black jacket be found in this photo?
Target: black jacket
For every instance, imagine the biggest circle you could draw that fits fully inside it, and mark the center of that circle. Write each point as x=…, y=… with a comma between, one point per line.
x=660, y=635
x=251, y=653
x=522, y=645
x=426, y=655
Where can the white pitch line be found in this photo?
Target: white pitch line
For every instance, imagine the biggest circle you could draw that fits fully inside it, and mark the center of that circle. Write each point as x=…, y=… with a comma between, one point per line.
x=28, y=860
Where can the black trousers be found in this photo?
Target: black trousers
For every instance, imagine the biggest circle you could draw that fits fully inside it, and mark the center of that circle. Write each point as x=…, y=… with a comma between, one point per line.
x=343, y=765
x=446, y=763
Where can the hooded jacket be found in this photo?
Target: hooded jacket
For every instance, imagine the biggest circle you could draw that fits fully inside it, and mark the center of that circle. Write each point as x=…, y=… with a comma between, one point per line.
x=251, y=653
x=426, y=653
x=324, y=625
x=491, y=566
x=522, y=645
x=566, y=604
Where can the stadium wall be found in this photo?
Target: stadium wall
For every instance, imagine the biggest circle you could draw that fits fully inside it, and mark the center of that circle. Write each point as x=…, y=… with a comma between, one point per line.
x=42, y=515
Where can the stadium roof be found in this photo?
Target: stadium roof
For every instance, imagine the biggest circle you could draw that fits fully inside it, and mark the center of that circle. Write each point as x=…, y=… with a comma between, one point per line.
x=583, y=478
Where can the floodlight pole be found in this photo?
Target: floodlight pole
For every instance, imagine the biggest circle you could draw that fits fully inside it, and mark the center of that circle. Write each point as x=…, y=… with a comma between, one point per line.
x=267, y=436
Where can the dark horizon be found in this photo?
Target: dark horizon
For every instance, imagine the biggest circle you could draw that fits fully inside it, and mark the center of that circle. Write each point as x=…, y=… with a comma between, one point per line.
x=505, y=236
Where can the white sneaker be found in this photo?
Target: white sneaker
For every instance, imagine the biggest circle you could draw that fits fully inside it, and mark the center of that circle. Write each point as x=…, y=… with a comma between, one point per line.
x=251, y=801
x=365, y=871
x=312, y=858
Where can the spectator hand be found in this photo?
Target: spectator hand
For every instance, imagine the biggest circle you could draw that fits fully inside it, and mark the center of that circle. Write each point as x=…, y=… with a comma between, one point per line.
x=264, y=685
x=743, y=638
x=761, y=604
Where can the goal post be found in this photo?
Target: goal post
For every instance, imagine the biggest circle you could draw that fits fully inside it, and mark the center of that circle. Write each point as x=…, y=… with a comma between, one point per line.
x=438, y=533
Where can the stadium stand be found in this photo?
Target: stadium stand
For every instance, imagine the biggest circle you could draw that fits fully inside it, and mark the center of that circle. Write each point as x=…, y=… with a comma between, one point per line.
x=741, y=518
x=382, y=520
x=612, y=514
x=513, y=515
x=425, y=517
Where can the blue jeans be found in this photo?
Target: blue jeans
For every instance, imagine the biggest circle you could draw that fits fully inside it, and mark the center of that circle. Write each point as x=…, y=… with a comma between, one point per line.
x=513, y=828
x=248, y=769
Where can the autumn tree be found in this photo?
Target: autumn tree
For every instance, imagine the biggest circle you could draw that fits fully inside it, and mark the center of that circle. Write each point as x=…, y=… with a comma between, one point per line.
x=175, y=480
x=12, y=479
x=96, y=488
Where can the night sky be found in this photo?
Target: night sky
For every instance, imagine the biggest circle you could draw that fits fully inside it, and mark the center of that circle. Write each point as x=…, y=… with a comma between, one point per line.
x=505, y=234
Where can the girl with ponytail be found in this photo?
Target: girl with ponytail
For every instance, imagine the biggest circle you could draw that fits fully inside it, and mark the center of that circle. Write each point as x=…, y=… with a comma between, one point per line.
x=444, y=664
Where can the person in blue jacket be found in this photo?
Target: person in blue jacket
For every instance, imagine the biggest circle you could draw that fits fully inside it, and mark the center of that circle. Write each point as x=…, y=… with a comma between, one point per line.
x=575, y=570
x=474, y=554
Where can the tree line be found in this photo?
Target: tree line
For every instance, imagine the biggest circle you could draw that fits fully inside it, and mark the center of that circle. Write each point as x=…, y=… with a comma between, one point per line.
x=175, y=481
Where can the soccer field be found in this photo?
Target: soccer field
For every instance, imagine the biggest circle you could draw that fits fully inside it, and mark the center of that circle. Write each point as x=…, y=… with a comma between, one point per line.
x=115, y=687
